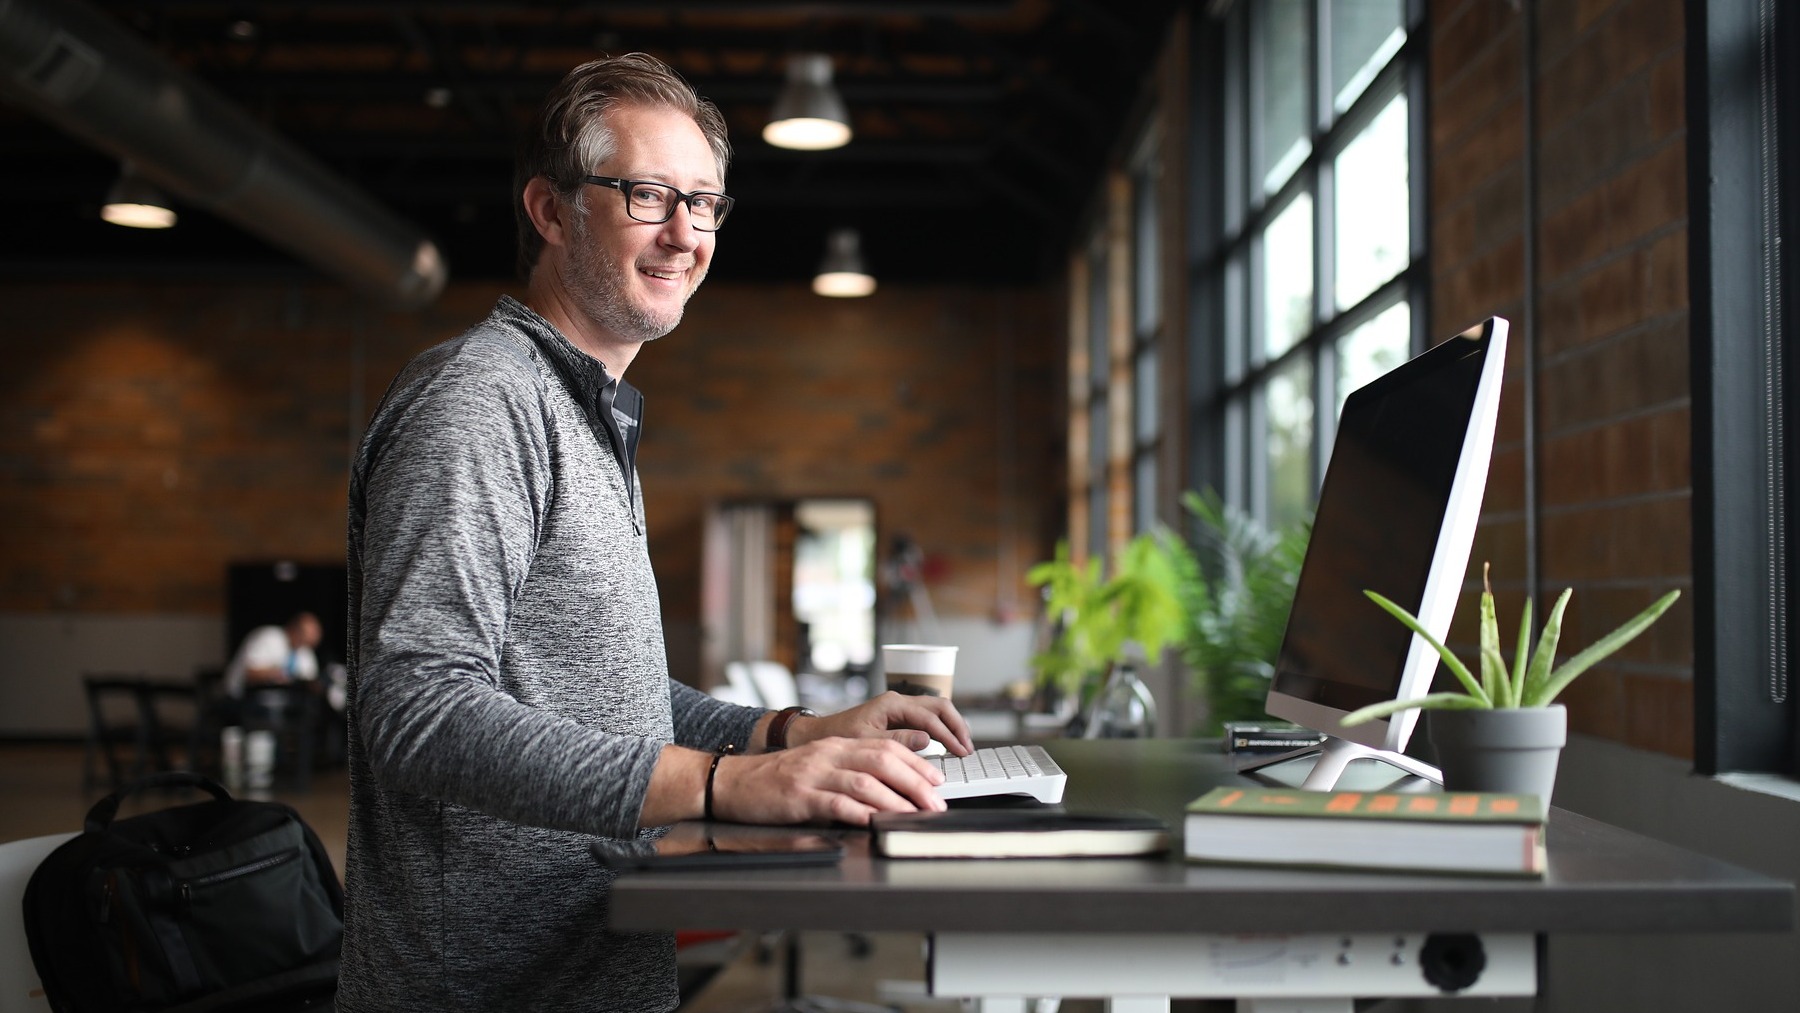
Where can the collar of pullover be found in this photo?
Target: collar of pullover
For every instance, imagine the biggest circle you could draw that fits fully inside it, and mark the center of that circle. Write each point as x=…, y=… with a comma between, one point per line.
x=613, y=407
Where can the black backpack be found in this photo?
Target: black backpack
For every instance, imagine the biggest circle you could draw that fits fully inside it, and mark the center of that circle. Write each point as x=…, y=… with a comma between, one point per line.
x=217, y=905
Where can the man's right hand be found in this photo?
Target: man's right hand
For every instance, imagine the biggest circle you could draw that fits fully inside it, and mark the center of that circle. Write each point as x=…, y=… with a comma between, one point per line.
x=828, y=780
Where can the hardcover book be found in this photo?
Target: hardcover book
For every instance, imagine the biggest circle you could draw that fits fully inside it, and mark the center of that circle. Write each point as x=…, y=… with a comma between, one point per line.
x=1017, y=833
x=1453, y=832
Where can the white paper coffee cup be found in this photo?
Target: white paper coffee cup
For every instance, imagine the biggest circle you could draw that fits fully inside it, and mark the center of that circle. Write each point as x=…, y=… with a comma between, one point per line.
x=919, y=669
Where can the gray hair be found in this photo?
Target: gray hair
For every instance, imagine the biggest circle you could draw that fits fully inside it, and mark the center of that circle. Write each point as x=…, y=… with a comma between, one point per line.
x=570, y=134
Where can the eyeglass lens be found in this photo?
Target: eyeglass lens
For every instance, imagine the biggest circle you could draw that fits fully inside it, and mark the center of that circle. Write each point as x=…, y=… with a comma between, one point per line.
x=655, y=203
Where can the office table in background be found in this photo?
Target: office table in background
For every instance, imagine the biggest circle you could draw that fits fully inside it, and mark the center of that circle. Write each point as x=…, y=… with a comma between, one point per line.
x=1140, y=930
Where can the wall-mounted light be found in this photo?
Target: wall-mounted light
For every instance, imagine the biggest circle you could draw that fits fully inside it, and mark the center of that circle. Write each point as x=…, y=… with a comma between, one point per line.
x=135, y=202
x=841, y=273
x=809, y=114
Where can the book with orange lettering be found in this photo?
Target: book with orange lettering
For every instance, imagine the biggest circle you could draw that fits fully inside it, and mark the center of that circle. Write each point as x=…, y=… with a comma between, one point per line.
x=1483, y=833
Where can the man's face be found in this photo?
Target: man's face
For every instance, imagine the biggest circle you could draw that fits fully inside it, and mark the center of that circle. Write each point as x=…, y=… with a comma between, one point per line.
x=633, y=278
x=304, y=632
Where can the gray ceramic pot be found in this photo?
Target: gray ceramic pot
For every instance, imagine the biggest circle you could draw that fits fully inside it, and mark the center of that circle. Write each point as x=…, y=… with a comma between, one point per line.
x=1512, y=750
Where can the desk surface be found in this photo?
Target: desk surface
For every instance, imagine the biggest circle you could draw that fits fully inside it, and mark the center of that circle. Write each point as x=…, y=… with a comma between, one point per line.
x=1601, y=879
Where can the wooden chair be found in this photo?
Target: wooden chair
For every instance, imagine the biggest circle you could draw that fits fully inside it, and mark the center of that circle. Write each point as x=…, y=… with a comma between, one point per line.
x=147, y=719
x=118, y=719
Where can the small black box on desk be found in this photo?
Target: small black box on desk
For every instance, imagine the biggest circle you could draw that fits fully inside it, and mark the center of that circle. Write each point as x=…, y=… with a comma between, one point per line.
x=1268, y=737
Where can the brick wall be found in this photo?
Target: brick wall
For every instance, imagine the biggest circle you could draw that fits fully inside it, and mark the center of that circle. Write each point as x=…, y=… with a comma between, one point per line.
x=937, y=404
x=151, y=433
x=1610, y=337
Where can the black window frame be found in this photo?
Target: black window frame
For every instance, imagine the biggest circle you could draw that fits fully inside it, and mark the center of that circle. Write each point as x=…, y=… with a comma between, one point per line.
x=1148, y=326
x=1226, y=370
x=1744, y=488
x=1099, y=389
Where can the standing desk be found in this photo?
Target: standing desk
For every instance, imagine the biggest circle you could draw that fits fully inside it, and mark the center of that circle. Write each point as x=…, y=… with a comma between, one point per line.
x=1137, y=931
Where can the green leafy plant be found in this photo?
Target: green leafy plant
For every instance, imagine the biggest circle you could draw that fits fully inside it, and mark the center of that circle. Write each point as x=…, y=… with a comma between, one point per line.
x=1528, y=683
x=1098, y=617
x=1236, y=580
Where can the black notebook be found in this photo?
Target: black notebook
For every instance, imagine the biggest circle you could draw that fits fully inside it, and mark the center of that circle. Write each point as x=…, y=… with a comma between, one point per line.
x=1017, y=833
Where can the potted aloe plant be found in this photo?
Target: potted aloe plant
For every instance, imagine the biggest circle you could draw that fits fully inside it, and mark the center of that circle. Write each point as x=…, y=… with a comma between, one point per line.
x=1503, y=731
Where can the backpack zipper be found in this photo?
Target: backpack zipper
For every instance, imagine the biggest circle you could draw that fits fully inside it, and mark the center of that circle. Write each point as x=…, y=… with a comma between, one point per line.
x=127, y=941
x=106, y=896
x=236, y=871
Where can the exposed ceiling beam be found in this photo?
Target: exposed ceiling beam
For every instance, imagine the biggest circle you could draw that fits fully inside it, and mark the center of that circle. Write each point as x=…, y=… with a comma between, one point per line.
x=410, y=84
x=845, y=9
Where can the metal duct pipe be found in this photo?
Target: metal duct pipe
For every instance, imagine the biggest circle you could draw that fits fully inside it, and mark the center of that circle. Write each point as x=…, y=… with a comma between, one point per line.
x=79, y=69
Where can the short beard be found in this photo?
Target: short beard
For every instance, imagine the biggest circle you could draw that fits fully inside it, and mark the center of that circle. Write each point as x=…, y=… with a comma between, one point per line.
x=597, y=283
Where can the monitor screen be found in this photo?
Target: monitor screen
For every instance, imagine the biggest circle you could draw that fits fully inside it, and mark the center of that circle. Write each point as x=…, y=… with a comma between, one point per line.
x=1396, y=515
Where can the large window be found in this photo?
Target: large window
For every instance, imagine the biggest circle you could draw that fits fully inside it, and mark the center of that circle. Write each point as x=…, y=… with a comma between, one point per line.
x=1306, y=279
x=1117, y=328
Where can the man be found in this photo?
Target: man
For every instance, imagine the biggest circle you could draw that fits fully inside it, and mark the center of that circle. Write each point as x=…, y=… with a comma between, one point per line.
x=275, y=655
x=509, y=693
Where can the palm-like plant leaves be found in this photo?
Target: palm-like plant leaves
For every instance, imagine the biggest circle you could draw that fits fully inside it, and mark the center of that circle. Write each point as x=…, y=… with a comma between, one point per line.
x=1237, y=584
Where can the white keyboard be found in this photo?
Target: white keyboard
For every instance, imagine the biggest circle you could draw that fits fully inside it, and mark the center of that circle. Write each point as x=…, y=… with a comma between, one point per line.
x=1001, y=770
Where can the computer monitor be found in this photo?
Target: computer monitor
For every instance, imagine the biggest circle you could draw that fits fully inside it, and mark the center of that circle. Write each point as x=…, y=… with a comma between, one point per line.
x=1396, y=515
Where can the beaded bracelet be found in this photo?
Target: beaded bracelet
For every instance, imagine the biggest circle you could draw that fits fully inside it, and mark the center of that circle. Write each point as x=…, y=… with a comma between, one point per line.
x=726, y=750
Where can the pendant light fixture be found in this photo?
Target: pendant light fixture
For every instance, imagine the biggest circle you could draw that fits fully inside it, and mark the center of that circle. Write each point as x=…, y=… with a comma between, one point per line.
x=842, y=274
x=136, y=203
x=809, y=114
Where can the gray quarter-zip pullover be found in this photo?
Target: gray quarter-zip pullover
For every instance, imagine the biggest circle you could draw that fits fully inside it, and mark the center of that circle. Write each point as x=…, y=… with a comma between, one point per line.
x=509, y=691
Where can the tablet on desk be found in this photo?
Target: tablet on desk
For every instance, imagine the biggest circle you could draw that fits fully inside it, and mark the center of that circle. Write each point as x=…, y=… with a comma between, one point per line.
x=706, y=846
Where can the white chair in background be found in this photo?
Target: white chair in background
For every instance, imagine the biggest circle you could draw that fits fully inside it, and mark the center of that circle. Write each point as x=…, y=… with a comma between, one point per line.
x=20, y=989
x=739, y=688
x=775, y=684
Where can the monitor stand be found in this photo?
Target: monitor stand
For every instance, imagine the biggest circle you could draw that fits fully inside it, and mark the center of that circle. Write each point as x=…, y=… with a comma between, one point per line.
x=1330, y=767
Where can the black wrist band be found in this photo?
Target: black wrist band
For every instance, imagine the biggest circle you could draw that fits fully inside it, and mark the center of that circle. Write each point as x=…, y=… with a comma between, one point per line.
x=712, y=769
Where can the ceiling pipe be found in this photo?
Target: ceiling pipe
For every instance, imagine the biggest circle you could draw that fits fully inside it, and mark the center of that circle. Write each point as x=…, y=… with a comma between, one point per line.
x=80, y=70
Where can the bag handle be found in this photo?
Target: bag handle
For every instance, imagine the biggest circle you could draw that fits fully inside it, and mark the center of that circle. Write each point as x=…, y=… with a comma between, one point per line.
x=101, y=815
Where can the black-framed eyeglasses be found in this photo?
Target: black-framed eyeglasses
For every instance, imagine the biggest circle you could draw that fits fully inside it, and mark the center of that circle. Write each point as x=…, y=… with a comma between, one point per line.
x=655, y=202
